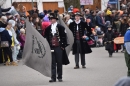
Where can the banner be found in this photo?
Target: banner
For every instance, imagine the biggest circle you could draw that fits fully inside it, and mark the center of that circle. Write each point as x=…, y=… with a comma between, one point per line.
x=86, y=2
x=60, y=4
x=37, y=53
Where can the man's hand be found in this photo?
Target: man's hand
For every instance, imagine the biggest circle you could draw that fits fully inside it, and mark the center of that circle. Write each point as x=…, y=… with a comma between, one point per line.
x=84, y=37
x=62, y=48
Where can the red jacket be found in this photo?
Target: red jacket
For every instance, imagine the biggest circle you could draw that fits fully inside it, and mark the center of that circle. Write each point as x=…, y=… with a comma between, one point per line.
x=44, y=26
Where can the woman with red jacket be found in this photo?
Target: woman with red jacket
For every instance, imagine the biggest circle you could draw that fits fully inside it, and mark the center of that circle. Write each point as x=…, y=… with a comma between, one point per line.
x=45, y=23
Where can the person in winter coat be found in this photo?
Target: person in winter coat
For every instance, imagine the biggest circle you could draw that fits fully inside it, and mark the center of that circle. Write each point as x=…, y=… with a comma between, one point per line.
x=45, y=23
x=3, y=21
x=22, y=38
x=108, y=38
x=13, y=10
x=15, y=43
x=100, y=21
x=34, y=10
x=123, y=27
x=38, y=25
x=7, y=52
x=80, y=31
x=93, y=18
x=3, y=24
x=127, y=47
x=56, y=37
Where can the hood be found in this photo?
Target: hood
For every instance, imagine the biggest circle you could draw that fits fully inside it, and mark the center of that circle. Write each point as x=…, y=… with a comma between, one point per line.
x=12, y=22
x=2, y=29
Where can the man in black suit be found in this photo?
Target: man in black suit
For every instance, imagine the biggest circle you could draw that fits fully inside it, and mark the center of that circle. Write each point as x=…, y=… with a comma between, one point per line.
x=56, y=37
x=80, y=31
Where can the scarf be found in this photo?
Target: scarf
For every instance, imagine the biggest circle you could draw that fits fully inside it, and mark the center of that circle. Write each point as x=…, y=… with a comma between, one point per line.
x=53, y=28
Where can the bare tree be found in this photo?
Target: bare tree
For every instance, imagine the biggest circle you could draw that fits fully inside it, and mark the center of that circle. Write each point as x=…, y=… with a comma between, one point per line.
x=75, y=3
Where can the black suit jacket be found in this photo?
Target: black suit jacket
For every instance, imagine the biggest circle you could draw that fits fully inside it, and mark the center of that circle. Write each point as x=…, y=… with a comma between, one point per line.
x=63, y=41
x=84, y=29
x=62, y=35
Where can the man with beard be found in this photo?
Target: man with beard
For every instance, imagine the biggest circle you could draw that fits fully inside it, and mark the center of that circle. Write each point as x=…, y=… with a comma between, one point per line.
x=80, y=32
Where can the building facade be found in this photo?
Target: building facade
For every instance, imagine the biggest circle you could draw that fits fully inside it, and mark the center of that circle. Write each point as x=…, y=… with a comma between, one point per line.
x=53, y=4
x=41, y=4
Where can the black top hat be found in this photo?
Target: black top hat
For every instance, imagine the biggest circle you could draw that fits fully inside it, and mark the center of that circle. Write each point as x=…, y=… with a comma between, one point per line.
x=53, y=16
x=77, y=13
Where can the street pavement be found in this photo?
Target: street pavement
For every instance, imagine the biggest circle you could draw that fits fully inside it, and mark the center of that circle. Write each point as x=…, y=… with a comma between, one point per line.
x=101, y=71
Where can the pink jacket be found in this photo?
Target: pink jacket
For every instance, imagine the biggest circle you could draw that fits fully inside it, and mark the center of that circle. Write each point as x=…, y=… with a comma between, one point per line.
x=22, y=40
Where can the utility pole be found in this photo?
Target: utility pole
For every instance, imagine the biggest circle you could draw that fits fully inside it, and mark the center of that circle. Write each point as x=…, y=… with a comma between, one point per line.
x=118, y=4
x=32, y=4
x=11, y=2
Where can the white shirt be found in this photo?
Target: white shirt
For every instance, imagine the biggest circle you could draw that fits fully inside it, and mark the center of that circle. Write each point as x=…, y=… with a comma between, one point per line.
x=53, y=28
x=77, y=22
x=10, y=33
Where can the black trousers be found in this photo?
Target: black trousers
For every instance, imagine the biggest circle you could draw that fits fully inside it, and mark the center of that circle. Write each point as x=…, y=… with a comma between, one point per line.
x=7, y=53
x=110, y=52
x=57, y=63
x=79, y=50
x=1, y=56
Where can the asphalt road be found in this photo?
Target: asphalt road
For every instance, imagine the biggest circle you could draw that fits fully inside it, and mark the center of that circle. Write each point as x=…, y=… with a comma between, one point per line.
x=101, y=71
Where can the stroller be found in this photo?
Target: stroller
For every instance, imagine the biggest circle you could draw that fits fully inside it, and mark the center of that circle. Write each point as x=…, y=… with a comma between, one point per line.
x=99, y=37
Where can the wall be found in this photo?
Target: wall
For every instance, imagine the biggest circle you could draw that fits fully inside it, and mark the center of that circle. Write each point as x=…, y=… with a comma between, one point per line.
x=40, y=6
x=96, y=3
x=39, y=3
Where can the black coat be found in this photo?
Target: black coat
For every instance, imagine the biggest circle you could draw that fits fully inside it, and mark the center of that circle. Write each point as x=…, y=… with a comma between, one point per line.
x=82, y=29
x=5, y=36
x=109, y=36
x=123, y=28
x=63, y=40
x=2, y=25
x=31, y=12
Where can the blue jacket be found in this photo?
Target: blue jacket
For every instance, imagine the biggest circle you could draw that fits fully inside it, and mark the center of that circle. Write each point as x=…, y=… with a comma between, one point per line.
x=99, y=21
x=127, y=36
x=5, y=36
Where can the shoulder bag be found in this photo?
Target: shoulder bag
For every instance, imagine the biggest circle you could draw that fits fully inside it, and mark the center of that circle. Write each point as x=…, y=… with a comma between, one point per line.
x=3, y=43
